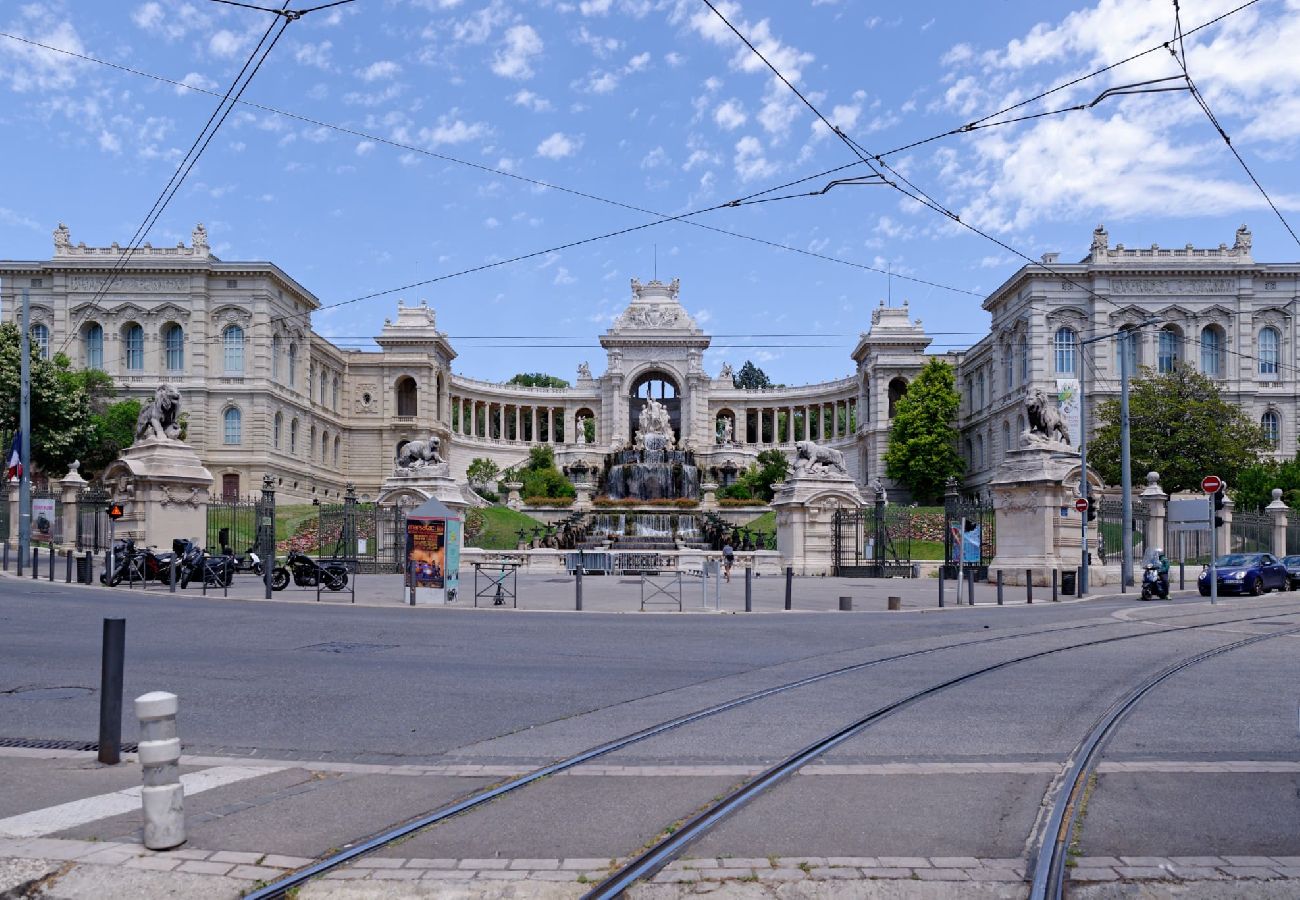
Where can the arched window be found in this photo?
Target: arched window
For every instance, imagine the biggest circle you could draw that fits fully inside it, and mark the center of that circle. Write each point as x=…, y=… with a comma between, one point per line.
x=1008, y=369
x=1169, y=350
x=277, y=348
x=232, y=340
x=325, y=447
x=1065, y=343
x=279, y=425
x=1022, y=355
x=1212, y=341
x=1020, y=424
x=337, y=443
x=1006, y=437
x=970, y=453
x=897, y=389
x=979, y=388
x=133, y=347
x=293, y=437
x=1127, y=343
x=233, y=420
x=173, y=347
x=407, y=396
x=293, y=364
x=1272, y=425
x=92, y=340
x=40, y=336
x=323, y=385
x=970, y=393
x=1269, y=342
x=334, y=400
x=311, y=441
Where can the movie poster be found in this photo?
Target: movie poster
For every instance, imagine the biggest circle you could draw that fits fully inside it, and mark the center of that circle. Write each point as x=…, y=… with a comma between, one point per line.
x=426, y=551
x=43, y=518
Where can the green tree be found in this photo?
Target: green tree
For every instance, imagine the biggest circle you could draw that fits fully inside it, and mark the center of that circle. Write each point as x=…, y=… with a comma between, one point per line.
x=589, y=430
x=540, y=476
x=482, y=471
x=62, y=429
x=114, y=432
x=756, y=482
x=538, y=379
x=922, y=452
x=751, y=377
x=1180, y=427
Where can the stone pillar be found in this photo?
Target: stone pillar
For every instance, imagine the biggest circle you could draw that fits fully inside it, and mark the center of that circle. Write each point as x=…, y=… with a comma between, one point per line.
x=805, y=507
x=550, y=424
x=1157, y=504
x=532, y=435
x=72, y=485
x=1279, y=511
x=518, y=435
x=708, y=495
x=512, y=494
x=165, y=491
x=1223, y=536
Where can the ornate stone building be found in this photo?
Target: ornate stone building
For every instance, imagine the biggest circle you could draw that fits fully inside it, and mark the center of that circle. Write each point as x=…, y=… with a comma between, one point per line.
x=265, y=393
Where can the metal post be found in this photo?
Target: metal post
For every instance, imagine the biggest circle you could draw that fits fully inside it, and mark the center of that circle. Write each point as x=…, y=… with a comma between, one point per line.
x=6, y=555
x=789, y=587
x=51, y=562
x=20, y=562
x=577, y=584
x=717, y=589
x=1182, y=585
x=162, y=799
x=267, y=512
x=970, y=583
x=942, y=566
x=1125, y=475
x=112, y=657
x=25, y=431
x=36, y=561
x=171, y=574
x=69, y=572
x=1214, y=552
x=1029, y=585
x=90, y=567
x=749, y=589
x=999, y=587
x=1083, y=471
x=1078, y=592
x=1056, y=586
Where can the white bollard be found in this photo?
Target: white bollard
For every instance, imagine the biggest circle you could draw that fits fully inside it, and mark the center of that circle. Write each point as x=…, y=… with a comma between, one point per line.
x=163, y=797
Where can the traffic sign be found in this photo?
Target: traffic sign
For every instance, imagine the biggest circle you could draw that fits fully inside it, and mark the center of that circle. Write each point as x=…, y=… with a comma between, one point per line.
x=1211, y=484
x=1081, y=504
x=115, y=511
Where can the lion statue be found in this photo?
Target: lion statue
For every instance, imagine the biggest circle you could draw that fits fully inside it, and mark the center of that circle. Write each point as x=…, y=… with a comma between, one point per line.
x=159, y=419
x=812, y=459
x=1046, y=424
x=419, y=454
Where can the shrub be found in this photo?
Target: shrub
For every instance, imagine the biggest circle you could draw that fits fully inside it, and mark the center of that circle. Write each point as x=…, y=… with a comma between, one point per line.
x=548, y=501
x=474, y=523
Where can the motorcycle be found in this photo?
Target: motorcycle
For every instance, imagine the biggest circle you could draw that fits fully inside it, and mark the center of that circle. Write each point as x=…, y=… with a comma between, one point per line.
x=307, y=572
x=1154, y=586
x=131, y=564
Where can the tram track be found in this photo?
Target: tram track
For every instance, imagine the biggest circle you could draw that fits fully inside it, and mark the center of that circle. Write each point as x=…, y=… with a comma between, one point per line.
x=687, y=834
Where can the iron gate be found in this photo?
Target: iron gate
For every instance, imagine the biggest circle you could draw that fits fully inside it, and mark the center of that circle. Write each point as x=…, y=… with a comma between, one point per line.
x=368, y=537
x=240, y=525
x=92, y=519
x=872, y=542
x=968, y=533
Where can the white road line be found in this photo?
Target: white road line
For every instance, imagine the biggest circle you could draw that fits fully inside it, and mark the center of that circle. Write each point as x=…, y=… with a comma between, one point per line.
x=78, y=812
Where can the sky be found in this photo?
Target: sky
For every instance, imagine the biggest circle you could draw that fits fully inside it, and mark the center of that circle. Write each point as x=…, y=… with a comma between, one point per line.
x=426, y=138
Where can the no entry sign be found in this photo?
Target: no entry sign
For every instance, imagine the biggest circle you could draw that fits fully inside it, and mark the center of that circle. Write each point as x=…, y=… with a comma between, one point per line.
x=1211, y=484
x=1081, y=504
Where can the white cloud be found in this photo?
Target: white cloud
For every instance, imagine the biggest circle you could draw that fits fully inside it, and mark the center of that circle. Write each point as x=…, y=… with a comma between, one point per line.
x=563, y=277
x=225, y=43
x=558, y=146
x=602, y=47
x=750, y=161
x=381, y=70
x=598, y=82
x=35, y=68
x=449, y=129
x=655, y=159
x=529, y=100
x=730, y=115
x=594, y=7
x=514, y=59
x=171, y=22
x=317, y=55
x=674, y=59
x=109, y=142
x=491, y=222
x=477, y=28
x=365, y=147
x=195, y=80
x=637, y=63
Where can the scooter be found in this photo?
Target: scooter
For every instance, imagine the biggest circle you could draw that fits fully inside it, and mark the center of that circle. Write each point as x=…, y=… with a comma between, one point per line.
x=1153, y=586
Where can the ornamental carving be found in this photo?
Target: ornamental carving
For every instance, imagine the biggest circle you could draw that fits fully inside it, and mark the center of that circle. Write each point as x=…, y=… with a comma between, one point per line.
x=651, y=317
x=135, y=284
x=367, y=398
x=1193, y=286
x=232, y=315
x=1015, y=501
x=196, y=497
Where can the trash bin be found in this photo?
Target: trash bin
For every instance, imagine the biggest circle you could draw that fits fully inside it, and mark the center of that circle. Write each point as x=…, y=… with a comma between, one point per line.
x=85, y=569
x=1067, y=582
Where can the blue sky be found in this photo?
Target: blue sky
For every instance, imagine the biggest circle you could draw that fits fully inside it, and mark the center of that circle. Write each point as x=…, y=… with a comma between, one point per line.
x=654, y=104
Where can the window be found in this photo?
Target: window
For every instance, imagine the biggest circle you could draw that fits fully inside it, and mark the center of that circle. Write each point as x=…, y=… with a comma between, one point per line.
x=293, y=436
x=325, y=447
x=979, y=388
x=232, y=339
x=40, y=338
x=970, y=394
x=1127, y=343
x=1065, y=346
x=230, y=487
x=1008, y=369
x=293, y=365
x=311, y=441
x=337, y=444
x=979, y=449
x=1022, y=352
x=93, y=345
x=334, y=405
x=275, y=434
x=1272, y=425
x=1167, y=353
x=406, y=396
x=133, y=343
x=277, y=348
x=311, y=372
x=322, y=387
x=1212, y=341
x=233, y=420
x=1006, y=437
x=1269, y=341
x=174, y=347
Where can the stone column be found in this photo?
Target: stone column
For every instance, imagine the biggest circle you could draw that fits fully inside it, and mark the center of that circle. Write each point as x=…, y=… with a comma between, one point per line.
x=550, y=424
x=72, y=485
x=1279, y=511
x=518, y=435
x=1157, y=504
x=532, y=434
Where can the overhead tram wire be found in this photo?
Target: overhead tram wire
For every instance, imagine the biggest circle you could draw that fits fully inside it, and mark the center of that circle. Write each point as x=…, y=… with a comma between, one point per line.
x=186, y=164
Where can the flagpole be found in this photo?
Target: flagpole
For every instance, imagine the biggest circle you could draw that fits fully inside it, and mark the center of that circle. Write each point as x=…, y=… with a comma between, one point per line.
x=25, y=432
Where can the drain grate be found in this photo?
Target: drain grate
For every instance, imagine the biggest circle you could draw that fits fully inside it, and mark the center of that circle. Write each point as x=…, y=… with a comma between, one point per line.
x=347, y=647
x=50, y=744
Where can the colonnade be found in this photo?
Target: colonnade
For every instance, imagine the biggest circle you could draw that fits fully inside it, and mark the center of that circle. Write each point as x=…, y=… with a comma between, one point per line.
x=786, y=424
x=496, y=420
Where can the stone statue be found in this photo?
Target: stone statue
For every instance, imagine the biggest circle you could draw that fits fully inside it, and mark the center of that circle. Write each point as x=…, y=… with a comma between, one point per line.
x=581, y=437
x=419, y=454
x=1100, y=241
x=200, y=237
x=727, y=372
x=727, y=433
x=62, y=238
x=1242, y=244
x=655, y=421
x=811, y=458
x=160, y=418
x=878, y=488
x=1046, y=424
x=584, y=370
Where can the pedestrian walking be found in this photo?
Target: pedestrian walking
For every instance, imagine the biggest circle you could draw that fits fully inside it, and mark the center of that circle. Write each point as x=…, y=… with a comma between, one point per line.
x=728, y=559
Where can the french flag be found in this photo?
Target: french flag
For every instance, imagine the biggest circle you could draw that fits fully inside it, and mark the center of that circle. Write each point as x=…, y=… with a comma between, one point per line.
x=15, y=457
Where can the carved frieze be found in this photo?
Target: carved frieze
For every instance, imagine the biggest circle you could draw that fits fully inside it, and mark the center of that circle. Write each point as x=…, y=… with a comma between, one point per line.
x=1192, y=286
x=135, y=284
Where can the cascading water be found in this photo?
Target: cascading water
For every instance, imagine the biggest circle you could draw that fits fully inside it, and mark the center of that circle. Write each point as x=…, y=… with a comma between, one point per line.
x=653, y=473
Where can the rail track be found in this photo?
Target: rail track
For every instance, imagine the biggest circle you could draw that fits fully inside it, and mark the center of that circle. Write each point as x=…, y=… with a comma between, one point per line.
x=658, y=855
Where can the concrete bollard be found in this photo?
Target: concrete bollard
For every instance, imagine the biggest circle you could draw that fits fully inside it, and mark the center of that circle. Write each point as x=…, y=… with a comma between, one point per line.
x=846, y=604
x=895, y=604
x=163, y=797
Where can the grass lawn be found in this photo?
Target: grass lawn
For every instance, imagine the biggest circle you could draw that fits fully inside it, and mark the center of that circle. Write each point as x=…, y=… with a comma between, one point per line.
x=764, y=524
x=500, y=528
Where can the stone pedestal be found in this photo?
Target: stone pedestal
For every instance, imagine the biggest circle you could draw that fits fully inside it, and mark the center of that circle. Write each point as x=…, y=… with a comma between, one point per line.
x=411, y=487
x=805, y=506
x=708, y=495
x=1280, y=513
x=513, y=499
x=1037, y=526
x=164, y=491
x=70, y=489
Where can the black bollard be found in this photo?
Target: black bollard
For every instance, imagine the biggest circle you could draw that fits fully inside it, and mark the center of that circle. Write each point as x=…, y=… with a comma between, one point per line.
x=970, y=584
x=789, y=587
x=36, y=562
x=90, y=567
x=846, y=604
x=51, y=562
x=110, y=691
x=999, y=587
x=941, y=580
x=1078, y=582
x=1029, y=585
x=6, y=556
x=577, y=584
x=69, y=573
x=108, y=567
x=1181, y=583
x=749, y=589
x=1056, y=579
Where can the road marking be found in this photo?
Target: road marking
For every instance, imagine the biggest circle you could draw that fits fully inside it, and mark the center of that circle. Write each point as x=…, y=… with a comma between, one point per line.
x=78, y=812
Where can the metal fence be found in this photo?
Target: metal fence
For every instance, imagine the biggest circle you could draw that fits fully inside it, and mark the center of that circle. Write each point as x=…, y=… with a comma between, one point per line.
x=237, y=524
x=5, y=524
x=369, y=537
x=873, y=542
x=1250, y=532
x=92, y=519
x=1293, y=532
x=969, y=537
x=1110, y=532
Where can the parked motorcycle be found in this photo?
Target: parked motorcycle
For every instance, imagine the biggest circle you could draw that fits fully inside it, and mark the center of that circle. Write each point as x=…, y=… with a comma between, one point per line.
x=133, y=564
x=307, y=572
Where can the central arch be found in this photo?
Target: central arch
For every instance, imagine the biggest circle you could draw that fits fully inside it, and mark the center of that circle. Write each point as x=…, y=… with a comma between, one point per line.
x=664, y=388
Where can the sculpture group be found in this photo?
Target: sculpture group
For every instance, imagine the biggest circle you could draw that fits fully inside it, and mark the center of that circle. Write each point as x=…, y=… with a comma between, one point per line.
x=160, y=417
x=655, y=420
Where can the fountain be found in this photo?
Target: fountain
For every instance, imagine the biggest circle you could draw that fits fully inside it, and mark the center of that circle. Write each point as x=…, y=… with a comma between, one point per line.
x=652, y=469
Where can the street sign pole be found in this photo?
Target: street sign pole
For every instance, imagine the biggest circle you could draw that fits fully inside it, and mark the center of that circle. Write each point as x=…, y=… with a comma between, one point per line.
x=1083, y=472
x=25, y=432
x=1211, y=485
x=1125, y=475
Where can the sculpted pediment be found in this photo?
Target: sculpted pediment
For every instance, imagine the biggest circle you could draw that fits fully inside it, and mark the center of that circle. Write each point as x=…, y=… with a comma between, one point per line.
x=170, y=311
x=1067, y=314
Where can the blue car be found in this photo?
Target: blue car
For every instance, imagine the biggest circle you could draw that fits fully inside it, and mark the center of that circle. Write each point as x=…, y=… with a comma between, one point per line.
x=1246, y=573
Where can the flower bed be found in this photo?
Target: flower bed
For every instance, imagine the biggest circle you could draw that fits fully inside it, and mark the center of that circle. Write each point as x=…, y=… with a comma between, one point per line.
x=732, y=502
x=548, y=501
